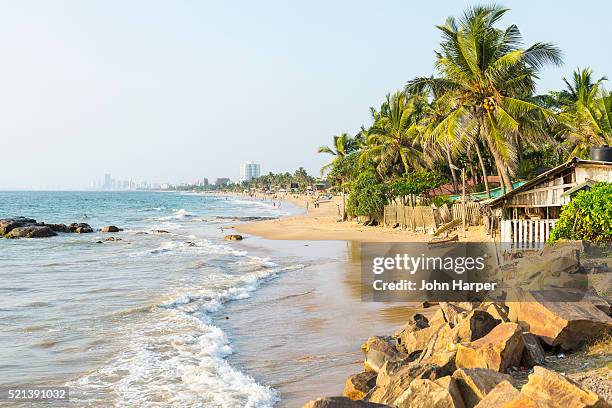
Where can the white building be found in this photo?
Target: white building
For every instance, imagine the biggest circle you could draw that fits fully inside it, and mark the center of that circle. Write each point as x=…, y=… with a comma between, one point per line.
x=249, y=171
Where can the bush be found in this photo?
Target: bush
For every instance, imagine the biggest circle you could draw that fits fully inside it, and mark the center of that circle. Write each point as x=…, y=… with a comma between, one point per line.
x=588, y=216
x=440, y=200
x=414, y=184
x=368, y=196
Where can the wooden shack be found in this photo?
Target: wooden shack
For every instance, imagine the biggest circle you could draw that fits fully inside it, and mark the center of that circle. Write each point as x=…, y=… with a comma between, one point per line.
x=526, y=215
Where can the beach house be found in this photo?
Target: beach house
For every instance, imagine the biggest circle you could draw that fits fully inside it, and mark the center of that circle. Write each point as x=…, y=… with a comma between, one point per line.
x=525, y=216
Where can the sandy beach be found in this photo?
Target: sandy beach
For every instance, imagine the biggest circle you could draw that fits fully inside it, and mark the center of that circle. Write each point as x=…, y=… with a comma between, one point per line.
x=324, y=224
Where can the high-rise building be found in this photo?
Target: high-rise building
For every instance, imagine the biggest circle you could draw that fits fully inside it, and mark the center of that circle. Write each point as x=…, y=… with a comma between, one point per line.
x=249, y=171
x=108, y=182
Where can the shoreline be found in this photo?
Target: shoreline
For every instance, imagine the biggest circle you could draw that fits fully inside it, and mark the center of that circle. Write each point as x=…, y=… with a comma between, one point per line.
x=324, y=224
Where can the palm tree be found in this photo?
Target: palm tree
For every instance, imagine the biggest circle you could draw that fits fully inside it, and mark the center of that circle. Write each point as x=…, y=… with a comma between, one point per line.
x=392, y=139
x=587, y=113
x=343, y=145
x=491, y=79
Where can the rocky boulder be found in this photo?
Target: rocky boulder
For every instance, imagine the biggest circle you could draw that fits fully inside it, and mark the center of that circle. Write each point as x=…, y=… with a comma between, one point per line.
x=533, y=353
x=111, y=228
x=475, y=325
x=34, y=231
x=358, y=385
x=441, y=340
x=423, y=393
x=476, y=383
x=452, y=313
x=57, y=227
x=341, y=402
x=8, y=224
x=498, y=350
x=395, y=377
x=79, y=228
x=557, y=322
x=503, y=393
x=233, y=237
x=379, y=350
x=547, y=388
x=497, y=311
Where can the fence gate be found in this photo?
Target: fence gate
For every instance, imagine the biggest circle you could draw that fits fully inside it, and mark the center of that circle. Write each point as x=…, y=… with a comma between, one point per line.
x=526, y=234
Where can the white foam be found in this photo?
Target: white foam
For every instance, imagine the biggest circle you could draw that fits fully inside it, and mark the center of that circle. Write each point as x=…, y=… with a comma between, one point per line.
x=176, y=357
x=182, y=213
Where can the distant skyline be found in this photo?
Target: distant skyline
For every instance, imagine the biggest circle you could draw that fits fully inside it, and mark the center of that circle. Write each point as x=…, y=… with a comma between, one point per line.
x=178, y=91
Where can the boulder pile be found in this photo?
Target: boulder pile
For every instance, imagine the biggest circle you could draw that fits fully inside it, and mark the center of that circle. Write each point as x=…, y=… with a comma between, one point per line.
x=22, y=227
x=465, y=355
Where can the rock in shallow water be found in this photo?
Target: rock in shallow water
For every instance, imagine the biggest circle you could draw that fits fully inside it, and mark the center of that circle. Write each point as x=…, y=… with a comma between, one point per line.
x=111, y=228
x=34, y=231
x=79, y=228
x=8, y=224
x=233, y=237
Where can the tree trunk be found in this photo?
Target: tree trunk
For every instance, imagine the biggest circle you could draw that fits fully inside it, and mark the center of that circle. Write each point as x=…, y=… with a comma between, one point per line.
x=485, y=176
x=344, y=214
x=502, y=169
x=452, y=169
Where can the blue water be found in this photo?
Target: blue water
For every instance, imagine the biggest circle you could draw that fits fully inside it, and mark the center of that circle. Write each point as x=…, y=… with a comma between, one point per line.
x=130, y=322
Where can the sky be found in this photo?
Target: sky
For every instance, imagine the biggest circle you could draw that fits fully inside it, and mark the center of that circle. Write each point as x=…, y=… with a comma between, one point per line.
x=174, y=91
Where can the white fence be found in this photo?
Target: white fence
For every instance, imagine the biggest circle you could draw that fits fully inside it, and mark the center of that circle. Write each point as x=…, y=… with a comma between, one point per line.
x=526, y=234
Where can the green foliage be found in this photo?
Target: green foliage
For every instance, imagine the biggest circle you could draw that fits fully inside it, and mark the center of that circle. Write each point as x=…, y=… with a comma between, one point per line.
x=415, y=183
x=368, y=195
x=440, y=200
x=588, y=216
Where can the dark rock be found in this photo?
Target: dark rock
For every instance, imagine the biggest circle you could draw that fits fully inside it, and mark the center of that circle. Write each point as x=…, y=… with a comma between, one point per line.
x=33, y=231
x=233, y=237
x=533, y=354
x=8, y=224
x=79, y=228
x=475, y=325
x=111, y=228
x=341, y=402
x=57, y=227
x=358, y=385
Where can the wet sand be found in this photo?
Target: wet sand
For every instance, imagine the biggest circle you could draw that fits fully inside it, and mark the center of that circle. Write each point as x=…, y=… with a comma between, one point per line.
x=302, y=333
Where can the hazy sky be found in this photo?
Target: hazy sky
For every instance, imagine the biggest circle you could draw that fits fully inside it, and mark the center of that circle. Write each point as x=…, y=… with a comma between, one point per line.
x=180, y=90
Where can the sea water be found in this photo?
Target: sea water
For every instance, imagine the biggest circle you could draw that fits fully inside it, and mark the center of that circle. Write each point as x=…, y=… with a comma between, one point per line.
x=130, y=322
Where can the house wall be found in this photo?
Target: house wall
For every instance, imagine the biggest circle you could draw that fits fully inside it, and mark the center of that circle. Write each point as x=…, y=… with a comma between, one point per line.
x=545, y=194
x=593, y=172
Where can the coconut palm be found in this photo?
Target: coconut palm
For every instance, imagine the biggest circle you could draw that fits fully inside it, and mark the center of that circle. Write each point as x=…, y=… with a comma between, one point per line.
x=392, y=141
x=343, y=146
x=491, y=79
x=587, y=113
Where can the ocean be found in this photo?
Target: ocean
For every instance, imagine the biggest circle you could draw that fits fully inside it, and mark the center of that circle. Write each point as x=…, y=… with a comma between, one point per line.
x=132, y=322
